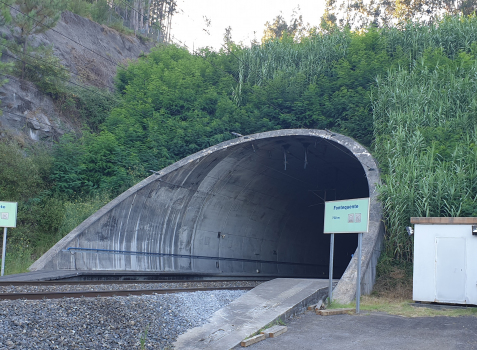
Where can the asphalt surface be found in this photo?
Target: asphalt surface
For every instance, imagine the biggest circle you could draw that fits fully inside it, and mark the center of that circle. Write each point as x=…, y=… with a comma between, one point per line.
x=375, y=331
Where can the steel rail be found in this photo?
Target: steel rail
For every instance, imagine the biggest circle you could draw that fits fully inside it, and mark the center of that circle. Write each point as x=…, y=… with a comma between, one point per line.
x=109, y=293
x=109, y=282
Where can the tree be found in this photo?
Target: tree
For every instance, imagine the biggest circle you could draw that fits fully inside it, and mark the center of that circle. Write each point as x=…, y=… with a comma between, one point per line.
x=228, y=37
x=161, y=12
x=35, y=17
x=362, y=13
x=5, y=17
x=279, y=28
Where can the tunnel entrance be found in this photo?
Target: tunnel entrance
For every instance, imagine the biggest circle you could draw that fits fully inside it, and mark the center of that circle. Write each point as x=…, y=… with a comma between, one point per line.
x=251, y=205
x=265, y=202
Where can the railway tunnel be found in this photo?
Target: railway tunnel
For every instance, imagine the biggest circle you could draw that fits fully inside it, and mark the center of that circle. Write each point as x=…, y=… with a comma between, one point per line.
x=251, y=205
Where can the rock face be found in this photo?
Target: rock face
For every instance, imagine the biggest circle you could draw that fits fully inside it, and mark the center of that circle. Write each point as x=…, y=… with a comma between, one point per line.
x=29, y=114
x=92, y=53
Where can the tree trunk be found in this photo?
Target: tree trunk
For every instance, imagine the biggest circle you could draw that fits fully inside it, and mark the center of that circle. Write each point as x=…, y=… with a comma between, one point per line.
x=25, y=45
x=141, y=15
x=148, y=13
x=136, y=17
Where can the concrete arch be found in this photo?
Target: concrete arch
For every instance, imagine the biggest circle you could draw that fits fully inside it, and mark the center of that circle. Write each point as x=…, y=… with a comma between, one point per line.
x=253, y=204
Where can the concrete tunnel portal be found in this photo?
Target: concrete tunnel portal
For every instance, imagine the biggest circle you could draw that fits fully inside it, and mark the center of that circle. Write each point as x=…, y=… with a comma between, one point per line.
x=251, y=205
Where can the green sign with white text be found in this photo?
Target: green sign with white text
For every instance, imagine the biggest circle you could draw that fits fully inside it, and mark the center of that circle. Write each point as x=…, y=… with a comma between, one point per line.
x=8, y=214
x=347, y=216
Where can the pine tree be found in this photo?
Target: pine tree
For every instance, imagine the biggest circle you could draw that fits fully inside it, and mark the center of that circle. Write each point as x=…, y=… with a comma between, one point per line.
x=35, y=17
x=5, y=18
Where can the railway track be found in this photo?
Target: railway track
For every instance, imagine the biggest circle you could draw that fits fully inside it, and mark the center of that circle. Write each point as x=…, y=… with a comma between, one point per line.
x=106, y=282
x=114, y=288
x=103, y=293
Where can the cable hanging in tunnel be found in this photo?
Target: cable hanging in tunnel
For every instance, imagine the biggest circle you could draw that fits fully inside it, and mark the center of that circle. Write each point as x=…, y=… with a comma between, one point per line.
x=186, y=256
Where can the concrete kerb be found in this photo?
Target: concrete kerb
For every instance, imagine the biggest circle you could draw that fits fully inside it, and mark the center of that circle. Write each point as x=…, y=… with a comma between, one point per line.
x=270, y=303
x=346, y=288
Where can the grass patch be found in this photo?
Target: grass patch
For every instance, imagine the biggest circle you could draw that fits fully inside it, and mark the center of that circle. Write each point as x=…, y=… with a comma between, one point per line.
x=277, y=322
x=392, y=294
x=402, y=307
x=18, y=260
x=394, y=282
x=336, y=305
x=143, y=338
x=119, y=27
x=23, y=251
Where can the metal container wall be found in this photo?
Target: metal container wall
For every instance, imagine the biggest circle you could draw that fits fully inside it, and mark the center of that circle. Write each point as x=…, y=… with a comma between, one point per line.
x=445, y=264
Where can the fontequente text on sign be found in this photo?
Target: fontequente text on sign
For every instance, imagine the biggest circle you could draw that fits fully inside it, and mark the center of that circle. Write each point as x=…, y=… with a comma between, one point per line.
x=347, y=216
x=8, y=214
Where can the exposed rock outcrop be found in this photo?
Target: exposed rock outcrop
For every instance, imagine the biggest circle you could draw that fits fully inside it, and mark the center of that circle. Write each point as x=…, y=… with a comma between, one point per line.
x=92, y=53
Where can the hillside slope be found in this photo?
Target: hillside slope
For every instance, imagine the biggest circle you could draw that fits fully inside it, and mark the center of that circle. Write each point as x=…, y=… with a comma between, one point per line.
x=90, y=51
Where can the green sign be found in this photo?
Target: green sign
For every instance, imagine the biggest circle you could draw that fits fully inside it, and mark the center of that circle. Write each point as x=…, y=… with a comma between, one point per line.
x=347, y=216
x=8, y=214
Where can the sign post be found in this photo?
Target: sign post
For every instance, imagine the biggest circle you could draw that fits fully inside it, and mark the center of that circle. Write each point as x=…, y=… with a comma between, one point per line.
x=8, y=218
x=330, y=274
x=347, y=216
x=358, y=282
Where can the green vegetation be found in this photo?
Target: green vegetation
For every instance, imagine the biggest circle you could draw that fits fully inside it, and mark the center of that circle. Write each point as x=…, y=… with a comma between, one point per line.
x=35, y=17
x=407, y=92
x=403, y=307
x=144, y=18
x=142, y=341
x=101, y=12
x=361, y=14
x=5, y=18
x=44, y=217
x=277, y=322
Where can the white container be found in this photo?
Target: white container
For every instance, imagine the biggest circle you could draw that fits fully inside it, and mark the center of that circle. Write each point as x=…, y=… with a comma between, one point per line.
x=445, y=260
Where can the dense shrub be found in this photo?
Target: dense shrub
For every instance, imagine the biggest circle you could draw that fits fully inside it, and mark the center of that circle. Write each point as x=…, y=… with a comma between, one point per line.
x=408, y=94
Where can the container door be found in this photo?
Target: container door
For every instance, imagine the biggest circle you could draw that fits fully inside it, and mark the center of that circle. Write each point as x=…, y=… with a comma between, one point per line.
x=450, y=270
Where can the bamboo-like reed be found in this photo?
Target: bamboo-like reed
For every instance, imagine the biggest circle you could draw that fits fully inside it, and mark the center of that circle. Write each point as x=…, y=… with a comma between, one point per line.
x=414, y=107
x=417, y=179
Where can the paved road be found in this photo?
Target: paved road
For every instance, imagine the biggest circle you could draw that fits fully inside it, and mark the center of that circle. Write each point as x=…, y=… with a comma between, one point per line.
x=375, y=331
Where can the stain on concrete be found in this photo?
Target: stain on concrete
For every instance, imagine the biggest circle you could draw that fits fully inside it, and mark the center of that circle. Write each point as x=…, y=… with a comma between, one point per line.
x=245, y=206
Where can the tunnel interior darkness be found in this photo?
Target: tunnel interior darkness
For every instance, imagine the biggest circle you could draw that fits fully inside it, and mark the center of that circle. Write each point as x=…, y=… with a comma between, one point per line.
x=266, y=202
x=251, y=207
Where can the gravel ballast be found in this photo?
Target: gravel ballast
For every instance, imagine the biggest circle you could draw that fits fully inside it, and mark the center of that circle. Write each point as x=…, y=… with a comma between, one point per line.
x=107, y=323
x=124, y=286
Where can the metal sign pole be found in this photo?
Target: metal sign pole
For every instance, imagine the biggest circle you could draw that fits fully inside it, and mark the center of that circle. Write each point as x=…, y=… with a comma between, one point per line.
x=330, y=274
x=358, y=282
x=3, y=249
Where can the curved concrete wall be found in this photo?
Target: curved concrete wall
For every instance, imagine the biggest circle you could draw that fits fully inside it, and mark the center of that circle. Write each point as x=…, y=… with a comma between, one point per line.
x=249, y=205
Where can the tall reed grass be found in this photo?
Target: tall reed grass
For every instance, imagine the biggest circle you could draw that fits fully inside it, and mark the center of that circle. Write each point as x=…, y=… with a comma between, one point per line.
x=317, y=54
x=424, y=111
x=425, y=142
x=453, y=34
x=310, y=58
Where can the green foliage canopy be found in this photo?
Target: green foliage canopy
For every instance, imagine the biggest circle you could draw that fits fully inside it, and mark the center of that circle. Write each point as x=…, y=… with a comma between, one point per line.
x=407, y=93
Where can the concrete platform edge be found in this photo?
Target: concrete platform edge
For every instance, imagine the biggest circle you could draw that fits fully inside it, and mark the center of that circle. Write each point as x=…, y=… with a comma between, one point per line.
x=246, y=325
